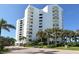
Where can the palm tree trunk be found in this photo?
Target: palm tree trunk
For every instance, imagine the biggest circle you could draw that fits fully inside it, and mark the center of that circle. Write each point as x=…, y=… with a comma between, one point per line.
x=47, y=41
x=55, y=39
x=0, y=31
x=41, y=39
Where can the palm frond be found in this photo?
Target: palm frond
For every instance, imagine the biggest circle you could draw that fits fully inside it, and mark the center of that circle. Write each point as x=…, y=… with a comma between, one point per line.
x=10, y=26
x=2, y=21
x=6, y=29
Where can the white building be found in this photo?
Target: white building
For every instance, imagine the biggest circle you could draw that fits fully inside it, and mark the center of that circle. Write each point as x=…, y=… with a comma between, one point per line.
x=19, y=30
x=36, y=19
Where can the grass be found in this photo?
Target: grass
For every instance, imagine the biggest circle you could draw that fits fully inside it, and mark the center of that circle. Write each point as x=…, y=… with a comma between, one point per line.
x=4, y=51
x=69, y=48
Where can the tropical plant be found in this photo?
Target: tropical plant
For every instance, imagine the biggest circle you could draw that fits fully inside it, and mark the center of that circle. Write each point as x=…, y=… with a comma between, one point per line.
x=5, y=25
x=41, y=35
x=22, y=38
x=48, y=32
x=56, y=33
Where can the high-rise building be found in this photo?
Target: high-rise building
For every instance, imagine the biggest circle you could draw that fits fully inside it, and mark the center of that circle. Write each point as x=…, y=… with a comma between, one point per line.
x=19, y=30
x=36, y=20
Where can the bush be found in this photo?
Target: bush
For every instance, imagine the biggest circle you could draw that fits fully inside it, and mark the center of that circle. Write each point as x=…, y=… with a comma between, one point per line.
x=51, y=46
x=44, y=46
x=72, y=44
x=3, y=50
x=27, y=45
x=40, y=43
x=40, y=46
x=1, y=47
x=77, y=44
x=60, y=44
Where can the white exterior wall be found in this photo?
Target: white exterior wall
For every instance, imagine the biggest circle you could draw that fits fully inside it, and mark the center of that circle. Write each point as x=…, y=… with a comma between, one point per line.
x=50, y=9
x=18, y=31
x=47, y=20
x=35, y=21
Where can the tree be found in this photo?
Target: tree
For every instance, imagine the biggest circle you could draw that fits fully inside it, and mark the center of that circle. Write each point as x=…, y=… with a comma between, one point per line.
x=41, y=35
x=56, y=32
x=5, y=25
x=22, y=38
x=48, y=32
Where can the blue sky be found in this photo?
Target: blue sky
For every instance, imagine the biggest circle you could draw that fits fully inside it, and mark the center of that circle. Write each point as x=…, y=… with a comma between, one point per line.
x=12, y=12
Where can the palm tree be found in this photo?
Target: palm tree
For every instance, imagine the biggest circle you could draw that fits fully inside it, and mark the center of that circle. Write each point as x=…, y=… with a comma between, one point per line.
x=77, y=35
x=41, y=35
x=49, y=32
x=22, y=38
x=5, y=25
x=56, y=34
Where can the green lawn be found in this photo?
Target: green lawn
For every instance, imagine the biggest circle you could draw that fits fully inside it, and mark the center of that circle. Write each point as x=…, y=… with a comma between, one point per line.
x=69, y=48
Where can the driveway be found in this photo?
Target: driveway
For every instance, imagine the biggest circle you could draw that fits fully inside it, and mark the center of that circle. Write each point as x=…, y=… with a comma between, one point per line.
x=31, y=50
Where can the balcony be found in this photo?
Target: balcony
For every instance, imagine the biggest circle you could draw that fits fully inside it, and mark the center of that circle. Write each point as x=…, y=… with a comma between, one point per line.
x=40, y=26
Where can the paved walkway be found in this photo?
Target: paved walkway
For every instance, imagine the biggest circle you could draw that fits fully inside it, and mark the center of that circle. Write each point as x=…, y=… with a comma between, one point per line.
x=27, y=50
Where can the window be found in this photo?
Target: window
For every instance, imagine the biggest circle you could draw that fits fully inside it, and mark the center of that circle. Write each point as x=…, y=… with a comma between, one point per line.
x=30, y=32
x=20, y=24
x=31, y=19
x=55, y=8
x=30, y=25
x=40, y=17
x=40, y=20
x=31, y=15
x=40, y=26
x=31, y=12
x=30, y=29
x=21, y=21
x=31, y=22
x=55, y=24
x=20, y=27
x=55, y=11
x=55, y=17
x=55, y=14
x=20, y=34
x=40, y=23
x=30, y=36
x=40, y=14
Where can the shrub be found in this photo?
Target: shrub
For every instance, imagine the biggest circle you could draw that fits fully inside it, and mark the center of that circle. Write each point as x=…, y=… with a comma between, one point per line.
x=44, y=46
x=40, y=46
x=40, y=43
x=27, y=45
x=1, y=47
x=77, y=44
x=60, y=44
x=51, y=46
x=72, y=44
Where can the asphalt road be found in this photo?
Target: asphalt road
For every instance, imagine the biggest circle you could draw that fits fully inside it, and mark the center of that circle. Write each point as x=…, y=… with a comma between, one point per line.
x=29, y=50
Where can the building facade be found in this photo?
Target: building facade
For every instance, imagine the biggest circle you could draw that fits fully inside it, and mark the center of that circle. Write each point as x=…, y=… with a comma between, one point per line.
x=19, y=30
x=36, y=20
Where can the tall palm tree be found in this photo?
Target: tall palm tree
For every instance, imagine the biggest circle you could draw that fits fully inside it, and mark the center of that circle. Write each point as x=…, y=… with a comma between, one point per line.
x=48, y=33
x=5, y=25
x=56, y=33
